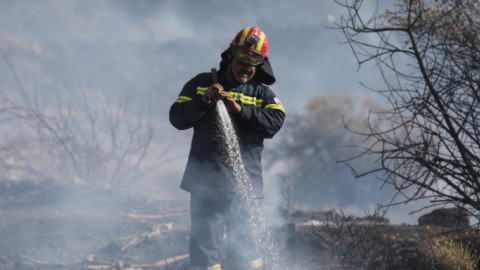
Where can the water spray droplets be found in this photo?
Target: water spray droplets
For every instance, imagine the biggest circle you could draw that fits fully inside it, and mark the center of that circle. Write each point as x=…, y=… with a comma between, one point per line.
x=242, y=188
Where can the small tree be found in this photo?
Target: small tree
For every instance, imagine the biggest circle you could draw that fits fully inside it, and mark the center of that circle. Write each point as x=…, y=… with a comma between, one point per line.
x=75, y=139
x=72, y=136
x=428, y=54
x=311, y=144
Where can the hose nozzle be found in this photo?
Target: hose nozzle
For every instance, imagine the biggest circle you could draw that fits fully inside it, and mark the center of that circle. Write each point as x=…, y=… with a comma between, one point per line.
x=215, y=80
x=217, y=95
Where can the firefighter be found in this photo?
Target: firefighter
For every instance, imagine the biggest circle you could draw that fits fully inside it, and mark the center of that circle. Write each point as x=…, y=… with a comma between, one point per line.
x=243, y=84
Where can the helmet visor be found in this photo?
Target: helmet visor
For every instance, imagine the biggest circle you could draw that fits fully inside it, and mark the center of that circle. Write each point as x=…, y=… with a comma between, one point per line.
x=247, y=56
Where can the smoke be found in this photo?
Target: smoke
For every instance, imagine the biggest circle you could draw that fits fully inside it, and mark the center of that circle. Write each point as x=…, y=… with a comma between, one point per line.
x=305, y=165
x=147, y=50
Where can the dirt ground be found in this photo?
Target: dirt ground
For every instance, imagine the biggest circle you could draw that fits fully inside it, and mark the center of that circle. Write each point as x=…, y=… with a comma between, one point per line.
x=75, y=228
x=42, y=229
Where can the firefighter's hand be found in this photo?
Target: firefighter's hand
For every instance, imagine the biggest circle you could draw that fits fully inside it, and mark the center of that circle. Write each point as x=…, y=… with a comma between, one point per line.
x=232, y=106
x=209, y=95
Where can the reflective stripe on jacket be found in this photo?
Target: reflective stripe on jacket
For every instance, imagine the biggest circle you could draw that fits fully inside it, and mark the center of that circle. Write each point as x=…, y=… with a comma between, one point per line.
x=262, y=117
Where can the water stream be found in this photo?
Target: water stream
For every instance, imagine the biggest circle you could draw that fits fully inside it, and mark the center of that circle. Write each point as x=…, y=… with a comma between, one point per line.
x=244, y=191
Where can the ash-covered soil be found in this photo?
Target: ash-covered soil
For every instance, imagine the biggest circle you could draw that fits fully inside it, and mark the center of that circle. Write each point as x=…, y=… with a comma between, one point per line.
x=58, y=227
x=76, y=228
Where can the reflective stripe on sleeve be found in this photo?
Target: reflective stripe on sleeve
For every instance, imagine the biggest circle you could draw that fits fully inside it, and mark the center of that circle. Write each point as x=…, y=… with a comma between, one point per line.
x=246, y=99
x=276, y=107
x=201, y=90
x=181, y=99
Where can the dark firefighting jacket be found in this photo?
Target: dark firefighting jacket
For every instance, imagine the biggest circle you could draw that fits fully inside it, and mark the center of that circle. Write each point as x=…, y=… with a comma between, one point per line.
x=261, y=117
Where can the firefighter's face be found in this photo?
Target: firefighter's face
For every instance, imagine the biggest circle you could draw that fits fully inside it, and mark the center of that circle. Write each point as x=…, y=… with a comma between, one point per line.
x=241, y=72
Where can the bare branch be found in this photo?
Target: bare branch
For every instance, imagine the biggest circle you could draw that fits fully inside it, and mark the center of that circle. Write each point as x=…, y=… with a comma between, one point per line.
x=428, y=143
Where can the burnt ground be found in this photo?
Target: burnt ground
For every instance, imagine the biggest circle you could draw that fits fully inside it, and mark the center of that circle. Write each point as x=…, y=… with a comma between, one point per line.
x=76, y=228
x=396, y=247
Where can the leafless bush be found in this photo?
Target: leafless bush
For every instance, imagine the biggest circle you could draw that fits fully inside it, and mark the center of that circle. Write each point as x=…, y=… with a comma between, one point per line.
x=354, y=243
x=79, y=136
x=78, y=140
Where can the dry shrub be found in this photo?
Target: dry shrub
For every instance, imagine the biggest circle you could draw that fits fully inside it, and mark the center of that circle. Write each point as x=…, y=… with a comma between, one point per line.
x=449, y=255
x=353, y=243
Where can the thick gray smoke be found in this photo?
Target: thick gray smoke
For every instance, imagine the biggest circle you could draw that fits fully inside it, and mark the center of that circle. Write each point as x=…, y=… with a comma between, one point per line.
x=79, y=68
x=148, y=49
